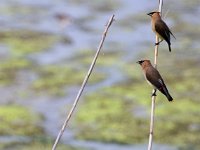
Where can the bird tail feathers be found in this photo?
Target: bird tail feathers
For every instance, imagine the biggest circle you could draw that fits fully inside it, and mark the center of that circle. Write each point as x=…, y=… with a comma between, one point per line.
x=172, y=34
x=169, y=45
x=169, y=97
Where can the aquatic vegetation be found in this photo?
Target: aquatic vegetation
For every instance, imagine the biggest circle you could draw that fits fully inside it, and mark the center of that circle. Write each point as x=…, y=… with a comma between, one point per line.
x=109, y=119
x=55, y=78
x=43, y=144
x=23, y=42
x=100, y=5
x=16, y=8
x=105, y=59
x=9, y=69
x=18, y=120
x=119, y=113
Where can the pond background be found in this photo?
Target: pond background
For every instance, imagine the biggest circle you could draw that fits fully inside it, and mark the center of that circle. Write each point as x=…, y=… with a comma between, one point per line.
x=46, y=48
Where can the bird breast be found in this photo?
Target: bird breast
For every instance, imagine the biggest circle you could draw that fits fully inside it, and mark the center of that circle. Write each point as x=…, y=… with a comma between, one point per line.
x=154, y=29
x=149, y=82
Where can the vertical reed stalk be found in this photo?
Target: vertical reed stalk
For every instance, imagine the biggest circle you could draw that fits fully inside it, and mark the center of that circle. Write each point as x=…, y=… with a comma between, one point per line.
x=154, y=97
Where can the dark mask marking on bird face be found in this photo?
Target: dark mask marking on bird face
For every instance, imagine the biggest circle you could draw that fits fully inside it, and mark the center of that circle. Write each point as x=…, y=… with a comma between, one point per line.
x=140, y=62
x=151, y=13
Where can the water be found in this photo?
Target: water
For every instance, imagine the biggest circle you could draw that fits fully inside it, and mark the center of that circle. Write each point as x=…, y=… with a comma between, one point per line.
x=83, y=25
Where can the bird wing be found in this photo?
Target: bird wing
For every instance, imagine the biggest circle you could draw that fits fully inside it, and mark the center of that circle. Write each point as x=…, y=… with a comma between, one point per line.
x=163, y=30
x=163, y=87
x=154, y=77
x=172, y=34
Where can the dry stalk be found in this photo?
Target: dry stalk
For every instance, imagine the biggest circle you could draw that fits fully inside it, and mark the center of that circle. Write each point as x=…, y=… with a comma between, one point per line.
x=154, y=97
x=84, y=83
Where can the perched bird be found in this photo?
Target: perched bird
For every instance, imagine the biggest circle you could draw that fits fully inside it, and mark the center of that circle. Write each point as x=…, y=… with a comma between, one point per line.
x=154, y=78
x=160, y=28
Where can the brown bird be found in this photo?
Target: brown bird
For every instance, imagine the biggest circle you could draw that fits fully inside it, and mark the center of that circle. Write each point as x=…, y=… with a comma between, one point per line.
x=160, y=28
x=154, y=78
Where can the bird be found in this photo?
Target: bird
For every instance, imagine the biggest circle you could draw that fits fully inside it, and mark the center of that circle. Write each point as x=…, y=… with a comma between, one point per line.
x=160, y=28
x=154, y=78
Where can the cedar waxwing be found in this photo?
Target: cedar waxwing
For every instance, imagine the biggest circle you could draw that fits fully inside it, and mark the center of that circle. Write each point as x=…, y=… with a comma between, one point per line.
x=154, y=78
x=160, y=28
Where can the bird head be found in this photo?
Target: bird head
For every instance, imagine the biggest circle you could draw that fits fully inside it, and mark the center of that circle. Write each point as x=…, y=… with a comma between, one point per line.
x=153, y=12
x=144, y=63
x=140, y=62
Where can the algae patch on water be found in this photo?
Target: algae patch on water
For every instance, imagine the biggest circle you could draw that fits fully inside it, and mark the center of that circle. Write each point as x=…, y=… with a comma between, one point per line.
x=10, y=68
x=55, y=79
x=119, y=113
x=23, y=42
x=108, y=118
x=18, y=120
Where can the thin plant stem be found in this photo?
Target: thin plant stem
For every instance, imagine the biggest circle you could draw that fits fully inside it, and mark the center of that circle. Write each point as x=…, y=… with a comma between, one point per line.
x=152, y=118
x=84, y=83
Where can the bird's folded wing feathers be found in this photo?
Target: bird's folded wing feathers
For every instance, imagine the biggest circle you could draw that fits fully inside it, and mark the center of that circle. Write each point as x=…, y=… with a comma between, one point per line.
x=163, y=86
x=153, y=76
x=163, y=30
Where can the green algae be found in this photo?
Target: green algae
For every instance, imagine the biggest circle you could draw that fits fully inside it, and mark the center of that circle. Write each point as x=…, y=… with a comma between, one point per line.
x=37, y=143
x=99, y=5
x=105, y=59
x=23, y=42
x=18, y=120
x=55, y=78
x=113, y=109
x=109, y=120
x=9, y=69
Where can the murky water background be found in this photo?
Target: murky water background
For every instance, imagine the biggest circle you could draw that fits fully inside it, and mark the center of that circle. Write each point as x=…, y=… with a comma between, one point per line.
x=78, y=25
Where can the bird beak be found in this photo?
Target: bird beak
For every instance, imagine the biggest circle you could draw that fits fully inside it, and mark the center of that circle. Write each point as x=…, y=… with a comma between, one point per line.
x=138, y=62
x=149, y=14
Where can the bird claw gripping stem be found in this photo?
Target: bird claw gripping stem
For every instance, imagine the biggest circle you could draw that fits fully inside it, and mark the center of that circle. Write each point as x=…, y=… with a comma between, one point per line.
x=158, y=42
x=154, y=93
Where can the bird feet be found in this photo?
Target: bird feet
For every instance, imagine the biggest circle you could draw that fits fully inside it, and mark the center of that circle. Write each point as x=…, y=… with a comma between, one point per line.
x=158, y=42
x=154, y=93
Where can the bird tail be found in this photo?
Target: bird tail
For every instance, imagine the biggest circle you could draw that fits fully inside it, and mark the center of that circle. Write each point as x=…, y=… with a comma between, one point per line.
x=169, y=45
x=172, y=34
x=166, y=93
x=169, y=97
